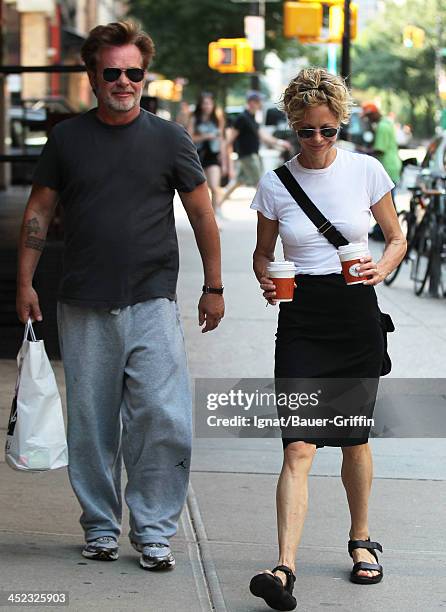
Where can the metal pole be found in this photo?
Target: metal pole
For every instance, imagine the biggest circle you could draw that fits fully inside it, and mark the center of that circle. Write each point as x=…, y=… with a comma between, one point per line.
x=254, y=9
x=345, y=62
x=331, y=58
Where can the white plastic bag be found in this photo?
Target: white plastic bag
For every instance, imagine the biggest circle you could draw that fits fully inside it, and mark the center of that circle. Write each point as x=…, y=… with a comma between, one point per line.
x=35, y=438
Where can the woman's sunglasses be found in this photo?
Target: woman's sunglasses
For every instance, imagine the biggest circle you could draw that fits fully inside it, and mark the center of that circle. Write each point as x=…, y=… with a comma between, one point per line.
x=310, y=132
x=135, y=75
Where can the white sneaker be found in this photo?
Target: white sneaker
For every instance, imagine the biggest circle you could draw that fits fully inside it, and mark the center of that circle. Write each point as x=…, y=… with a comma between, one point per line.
x=104, y=548
x=155, y=556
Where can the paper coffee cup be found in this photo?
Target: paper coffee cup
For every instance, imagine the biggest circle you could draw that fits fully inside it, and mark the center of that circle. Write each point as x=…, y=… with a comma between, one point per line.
x=350, y=256
x=282, y=274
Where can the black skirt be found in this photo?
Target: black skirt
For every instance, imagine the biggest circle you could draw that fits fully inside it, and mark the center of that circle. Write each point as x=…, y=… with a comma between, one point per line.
x=330, y=330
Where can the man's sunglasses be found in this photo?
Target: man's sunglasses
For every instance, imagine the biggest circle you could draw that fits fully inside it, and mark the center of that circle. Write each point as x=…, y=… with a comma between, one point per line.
x=135, y=75
x=310, y=132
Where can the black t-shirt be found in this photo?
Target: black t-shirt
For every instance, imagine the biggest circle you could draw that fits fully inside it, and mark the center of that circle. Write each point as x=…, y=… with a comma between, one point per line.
x=247, y=142
x=116, y=186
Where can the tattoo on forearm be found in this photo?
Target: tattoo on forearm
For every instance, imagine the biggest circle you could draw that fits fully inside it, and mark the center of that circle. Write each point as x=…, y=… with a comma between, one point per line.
x=32, y=226
x=35, y=243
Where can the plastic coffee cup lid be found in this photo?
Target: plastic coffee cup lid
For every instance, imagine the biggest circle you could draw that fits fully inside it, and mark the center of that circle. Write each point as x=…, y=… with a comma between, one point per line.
x=280, y=266
x=353, y=247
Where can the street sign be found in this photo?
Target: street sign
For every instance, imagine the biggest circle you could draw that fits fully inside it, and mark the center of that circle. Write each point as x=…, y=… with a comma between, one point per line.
x=255, y=31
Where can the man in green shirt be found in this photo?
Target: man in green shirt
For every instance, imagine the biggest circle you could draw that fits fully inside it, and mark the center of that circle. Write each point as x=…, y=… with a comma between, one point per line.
x=385, y=147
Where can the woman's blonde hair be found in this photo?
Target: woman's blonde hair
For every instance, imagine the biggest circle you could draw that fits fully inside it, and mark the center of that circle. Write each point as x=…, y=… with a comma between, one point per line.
x=314, y=87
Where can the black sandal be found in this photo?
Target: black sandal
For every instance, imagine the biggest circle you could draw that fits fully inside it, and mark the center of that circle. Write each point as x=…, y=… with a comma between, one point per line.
x=271, y=589
x=363, y=565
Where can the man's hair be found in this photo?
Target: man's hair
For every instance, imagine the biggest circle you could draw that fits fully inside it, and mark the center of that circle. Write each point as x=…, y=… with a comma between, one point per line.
x=313, y=87
x=117, y=34
x=254, y=95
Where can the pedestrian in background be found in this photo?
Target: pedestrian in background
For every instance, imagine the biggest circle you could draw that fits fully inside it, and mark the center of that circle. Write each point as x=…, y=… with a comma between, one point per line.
x=206, y=126
x=330, y=329
x=245, y=137
x=115, y=170
x=384, y=148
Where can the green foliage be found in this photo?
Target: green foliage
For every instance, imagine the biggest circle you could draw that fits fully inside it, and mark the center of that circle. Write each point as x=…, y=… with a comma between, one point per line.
x=406, y=76
x=183, y=30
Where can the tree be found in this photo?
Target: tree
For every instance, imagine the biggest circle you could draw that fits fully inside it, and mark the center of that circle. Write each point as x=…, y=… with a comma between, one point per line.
x=406, y=76
x=183, y=30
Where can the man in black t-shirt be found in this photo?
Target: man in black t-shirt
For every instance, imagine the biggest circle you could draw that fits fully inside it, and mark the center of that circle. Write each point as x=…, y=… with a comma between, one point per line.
x=115, y=170
x=245, y=136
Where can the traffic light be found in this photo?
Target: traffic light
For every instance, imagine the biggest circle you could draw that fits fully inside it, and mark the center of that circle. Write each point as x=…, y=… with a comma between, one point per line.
x=231, y=55
x=302, y=19
x=413, y=37
x=336, y=22
x=305, y=19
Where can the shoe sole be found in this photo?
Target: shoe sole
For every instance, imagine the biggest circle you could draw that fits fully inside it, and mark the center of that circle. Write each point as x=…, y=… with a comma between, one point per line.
x=266, y=587
x=101, y=555
x=160, y=566
x=365, y=579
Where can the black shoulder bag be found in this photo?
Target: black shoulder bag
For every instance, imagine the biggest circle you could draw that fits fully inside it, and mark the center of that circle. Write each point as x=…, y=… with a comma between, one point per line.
x=334, y=236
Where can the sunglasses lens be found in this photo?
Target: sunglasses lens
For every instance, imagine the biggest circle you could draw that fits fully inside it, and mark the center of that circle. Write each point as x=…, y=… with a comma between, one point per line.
x=136, y=75
x=329, y=132
x=305, y=133
x=111, y=74
x=310, y=132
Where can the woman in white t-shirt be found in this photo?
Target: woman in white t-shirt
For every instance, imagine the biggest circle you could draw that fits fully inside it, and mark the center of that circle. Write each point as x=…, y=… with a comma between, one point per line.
x=330, y=330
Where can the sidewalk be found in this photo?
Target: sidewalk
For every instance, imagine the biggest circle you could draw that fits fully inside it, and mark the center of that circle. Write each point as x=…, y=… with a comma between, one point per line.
x=227, y=531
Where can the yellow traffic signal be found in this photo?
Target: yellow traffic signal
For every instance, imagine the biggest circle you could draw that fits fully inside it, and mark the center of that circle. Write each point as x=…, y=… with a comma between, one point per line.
x=336, y=22
x=302, y=19
x=231, y=55
x=413, y=37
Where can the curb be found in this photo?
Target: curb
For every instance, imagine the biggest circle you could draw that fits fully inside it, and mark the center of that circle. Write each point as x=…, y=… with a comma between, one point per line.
x=201, y=585
x=210, y=572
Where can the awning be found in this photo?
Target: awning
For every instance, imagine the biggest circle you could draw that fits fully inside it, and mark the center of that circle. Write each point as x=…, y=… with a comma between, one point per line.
x=71, y=40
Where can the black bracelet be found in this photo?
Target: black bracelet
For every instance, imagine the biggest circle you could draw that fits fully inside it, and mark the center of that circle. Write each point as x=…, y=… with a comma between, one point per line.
x=217, y=290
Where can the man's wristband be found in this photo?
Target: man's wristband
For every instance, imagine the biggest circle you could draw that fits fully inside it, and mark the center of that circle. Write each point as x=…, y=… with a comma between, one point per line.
x=217, y=290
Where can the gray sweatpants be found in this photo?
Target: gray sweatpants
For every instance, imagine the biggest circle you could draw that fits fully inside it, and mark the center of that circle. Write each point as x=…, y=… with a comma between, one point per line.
x=128, y=395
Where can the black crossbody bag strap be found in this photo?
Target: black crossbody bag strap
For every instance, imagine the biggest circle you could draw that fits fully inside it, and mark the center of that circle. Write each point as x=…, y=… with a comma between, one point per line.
x=323, y=225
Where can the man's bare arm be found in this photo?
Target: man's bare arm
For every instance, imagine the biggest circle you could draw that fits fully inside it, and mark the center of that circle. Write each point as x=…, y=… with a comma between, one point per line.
x=201, y=216
x=36, y=220
x=231, y=135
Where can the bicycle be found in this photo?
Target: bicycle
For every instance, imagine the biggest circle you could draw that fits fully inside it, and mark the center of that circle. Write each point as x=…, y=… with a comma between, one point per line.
x=410, y=224
x=430, y=261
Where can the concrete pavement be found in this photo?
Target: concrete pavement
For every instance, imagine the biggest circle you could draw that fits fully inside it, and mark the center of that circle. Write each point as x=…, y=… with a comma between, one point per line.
x=227, y=531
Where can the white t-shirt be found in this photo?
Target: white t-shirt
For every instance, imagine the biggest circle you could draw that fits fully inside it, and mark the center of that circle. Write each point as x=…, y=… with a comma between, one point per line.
x=343, y=192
